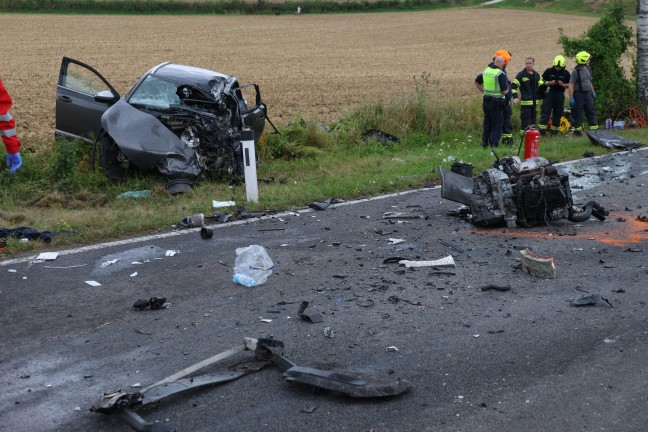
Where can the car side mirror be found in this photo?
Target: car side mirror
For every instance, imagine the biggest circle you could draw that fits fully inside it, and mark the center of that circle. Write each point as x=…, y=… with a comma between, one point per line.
x=105, y=96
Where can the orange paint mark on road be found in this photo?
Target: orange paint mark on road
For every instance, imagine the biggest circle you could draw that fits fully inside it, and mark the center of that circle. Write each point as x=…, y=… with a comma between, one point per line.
x=614, y=232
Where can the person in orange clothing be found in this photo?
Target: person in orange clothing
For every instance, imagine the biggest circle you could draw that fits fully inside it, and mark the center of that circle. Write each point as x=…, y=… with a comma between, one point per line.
x=8, y=131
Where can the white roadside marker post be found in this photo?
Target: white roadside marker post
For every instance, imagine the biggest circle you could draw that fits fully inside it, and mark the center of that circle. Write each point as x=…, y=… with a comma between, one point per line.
x=249, y=165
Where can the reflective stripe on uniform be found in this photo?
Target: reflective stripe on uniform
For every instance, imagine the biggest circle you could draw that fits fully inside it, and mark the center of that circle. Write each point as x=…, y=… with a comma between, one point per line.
x=6, y=117
x=8, y=132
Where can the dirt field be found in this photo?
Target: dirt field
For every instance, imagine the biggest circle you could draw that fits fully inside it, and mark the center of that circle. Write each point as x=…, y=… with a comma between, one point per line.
x=313, y=66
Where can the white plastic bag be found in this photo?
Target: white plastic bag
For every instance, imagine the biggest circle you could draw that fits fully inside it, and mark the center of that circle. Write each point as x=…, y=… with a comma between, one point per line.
x=253, y=261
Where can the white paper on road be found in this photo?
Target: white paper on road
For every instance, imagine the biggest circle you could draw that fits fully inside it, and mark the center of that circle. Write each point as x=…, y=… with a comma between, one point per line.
x=443, y=262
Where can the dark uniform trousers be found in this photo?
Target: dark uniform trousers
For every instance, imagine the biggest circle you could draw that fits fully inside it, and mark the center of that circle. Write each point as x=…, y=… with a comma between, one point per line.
x=583, y=101
x=493, y=118
x=554, y=103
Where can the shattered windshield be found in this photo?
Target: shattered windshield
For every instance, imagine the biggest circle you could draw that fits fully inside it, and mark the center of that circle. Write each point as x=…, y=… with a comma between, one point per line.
x=155, y=92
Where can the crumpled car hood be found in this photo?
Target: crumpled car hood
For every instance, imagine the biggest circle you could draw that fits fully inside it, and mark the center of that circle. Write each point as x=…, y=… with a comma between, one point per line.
x=148, y=143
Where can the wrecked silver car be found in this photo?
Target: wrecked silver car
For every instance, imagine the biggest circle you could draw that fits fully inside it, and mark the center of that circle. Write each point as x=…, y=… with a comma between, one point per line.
x=180, y=120
x=519, y=192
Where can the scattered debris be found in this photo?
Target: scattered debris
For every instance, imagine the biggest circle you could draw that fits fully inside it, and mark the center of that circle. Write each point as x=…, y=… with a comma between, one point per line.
x=443, y=262
x=395, y=241
x=395, y=299
x=206, y=233
x=253, y=261
x=321, y=205
x=171, y=253
x=266, y=351
x=313, y=318
x=610, y=140
x=328, y=332
x=308, y=408
x=401, y=215
x=379, y=136
x=193, y=221
x=107, y=263
x=588, y=300
x=633, y=250
x=25, y=233
x=492, y=287
x=135, y=194
x=47, y=256
x=391, y=349
x=540, y=266
x=178, y=186
x=445, y=243
x=219, y=204
x=154, y=303
x=93, y=283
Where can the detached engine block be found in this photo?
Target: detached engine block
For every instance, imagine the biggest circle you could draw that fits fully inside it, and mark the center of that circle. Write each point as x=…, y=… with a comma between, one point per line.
x=515, y=192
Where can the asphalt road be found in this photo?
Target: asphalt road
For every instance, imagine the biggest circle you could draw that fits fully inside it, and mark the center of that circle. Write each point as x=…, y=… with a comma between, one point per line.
x=521, y=360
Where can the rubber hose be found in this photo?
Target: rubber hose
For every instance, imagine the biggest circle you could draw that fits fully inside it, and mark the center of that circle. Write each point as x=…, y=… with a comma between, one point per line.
x=581, y=216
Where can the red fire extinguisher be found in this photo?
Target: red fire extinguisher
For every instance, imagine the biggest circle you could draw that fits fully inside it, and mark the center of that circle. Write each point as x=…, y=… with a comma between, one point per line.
x=531, y=143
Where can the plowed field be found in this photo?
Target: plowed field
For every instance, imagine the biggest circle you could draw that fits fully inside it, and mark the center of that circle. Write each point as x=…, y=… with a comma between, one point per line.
x=311, y=66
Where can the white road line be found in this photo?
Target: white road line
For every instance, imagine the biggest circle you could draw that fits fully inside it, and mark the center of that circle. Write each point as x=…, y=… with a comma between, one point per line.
x=194, y=230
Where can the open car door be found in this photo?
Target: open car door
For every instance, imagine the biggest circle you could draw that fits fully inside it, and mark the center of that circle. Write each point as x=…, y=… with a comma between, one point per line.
x=82, y=96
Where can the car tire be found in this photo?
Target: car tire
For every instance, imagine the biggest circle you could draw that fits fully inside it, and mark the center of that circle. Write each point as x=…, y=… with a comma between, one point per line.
x=110, y=157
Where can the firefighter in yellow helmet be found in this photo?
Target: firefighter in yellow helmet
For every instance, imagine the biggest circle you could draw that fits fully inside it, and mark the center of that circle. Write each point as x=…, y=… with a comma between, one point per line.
x=495, y=86
x=530, y=88
x=582, y=94
x=557, y=79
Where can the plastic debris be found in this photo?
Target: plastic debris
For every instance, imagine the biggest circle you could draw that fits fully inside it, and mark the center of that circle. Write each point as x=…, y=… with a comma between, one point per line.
x=492, y=287
x=154, y=303
x=47, y=256
x=536, y=265
x=391, y=349
x=135, y=194
x=253, y=261
x=328, y=332
x=93, y=283
x=171, y=253
x=443, y=262
x=219, y=204
x=313, y=318
x=588, y=300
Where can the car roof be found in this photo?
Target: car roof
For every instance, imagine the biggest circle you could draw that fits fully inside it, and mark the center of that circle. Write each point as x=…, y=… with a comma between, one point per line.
x=186, y=74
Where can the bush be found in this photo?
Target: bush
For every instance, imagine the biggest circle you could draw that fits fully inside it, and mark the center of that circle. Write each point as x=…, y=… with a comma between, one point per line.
x=607, y=41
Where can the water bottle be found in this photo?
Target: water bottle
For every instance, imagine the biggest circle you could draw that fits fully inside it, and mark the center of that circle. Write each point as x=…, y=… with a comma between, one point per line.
x=244, y=280
x=608, y=123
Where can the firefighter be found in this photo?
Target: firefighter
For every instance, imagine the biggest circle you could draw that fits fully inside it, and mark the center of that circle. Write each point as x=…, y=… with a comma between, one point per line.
x=494, y=84
x=582, y=94
x=8, y=131
x=529, y=85
x=557, y=79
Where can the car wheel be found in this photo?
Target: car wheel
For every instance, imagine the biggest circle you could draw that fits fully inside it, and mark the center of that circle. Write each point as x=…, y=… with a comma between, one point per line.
x=111, y=159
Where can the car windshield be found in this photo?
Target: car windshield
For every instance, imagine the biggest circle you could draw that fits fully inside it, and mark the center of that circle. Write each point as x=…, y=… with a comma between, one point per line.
x=155, y=92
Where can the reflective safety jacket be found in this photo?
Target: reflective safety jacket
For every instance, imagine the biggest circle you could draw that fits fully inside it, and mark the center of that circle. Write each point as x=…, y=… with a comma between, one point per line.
x=494, y=81
x=527, y=85
x=7, y=122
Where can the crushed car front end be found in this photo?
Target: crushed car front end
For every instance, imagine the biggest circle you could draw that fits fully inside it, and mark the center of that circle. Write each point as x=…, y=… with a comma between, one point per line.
x=185, y=121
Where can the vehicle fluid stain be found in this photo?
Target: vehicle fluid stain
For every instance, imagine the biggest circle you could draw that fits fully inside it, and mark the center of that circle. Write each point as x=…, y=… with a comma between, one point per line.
x=588, y=174
x=109, y=264
x=626, y=229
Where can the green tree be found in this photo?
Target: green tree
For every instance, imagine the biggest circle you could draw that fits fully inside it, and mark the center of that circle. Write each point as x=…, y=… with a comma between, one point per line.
x=607, y=41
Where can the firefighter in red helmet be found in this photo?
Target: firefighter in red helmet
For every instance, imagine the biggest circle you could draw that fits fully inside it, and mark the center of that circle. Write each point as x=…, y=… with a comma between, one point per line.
x=8, y=131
